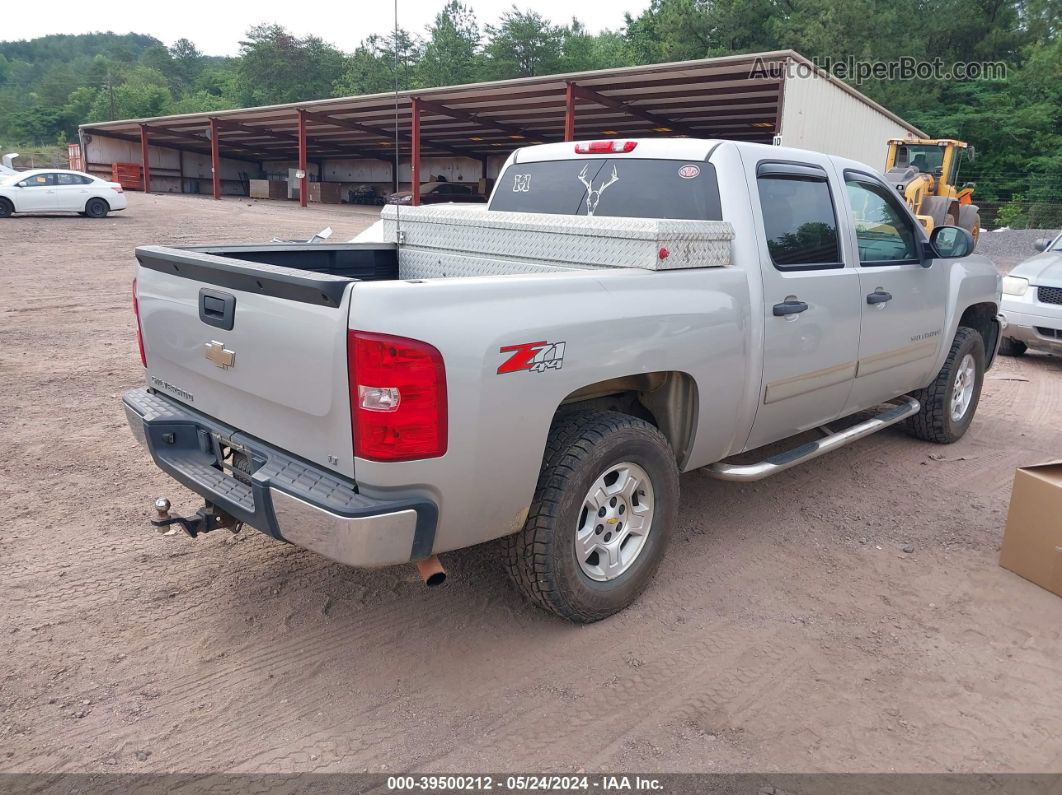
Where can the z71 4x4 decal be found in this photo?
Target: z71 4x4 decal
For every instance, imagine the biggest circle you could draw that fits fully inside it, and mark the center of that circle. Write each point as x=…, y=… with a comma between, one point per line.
x=535, y=357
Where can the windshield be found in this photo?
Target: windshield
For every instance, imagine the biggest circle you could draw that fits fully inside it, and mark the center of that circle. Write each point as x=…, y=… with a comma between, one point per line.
x=927, y=159
x=614, y=186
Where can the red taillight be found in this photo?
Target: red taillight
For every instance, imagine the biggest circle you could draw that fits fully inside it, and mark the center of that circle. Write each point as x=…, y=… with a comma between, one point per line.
x=604, y=147
x=139, y=330
x=397, y=397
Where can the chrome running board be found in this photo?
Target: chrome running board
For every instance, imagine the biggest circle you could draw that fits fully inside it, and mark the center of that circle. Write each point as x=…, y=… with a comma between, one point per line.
x=805, y=452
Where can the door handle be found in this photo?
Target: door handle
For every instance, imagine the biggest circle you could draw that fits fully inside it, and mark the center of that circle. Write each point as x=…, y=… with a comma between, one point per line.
x=879, y=297
x=792, y=307
x=217, y=308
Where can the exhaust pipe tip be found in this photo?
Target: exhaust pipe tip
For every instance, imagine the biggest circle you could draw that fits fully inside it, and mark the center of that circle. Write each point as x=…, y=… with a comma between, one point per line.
x=431, y=571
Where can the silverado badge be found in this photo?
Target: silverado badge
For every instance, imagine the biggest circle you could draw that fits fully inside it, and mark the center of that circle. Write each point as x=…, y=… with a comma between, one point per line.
x=217, y=353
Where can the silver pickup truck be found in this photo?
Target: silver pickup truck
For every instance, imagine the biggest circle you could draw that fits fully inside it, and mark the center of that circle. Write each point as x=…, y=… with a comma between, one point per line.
x=544, y=367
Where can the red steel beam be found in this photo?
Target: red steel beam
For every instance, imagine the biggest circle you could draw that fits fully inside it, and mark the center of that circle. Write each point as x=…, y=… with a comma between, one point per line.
x=630, y=110
x=414, y=158
x=480, y=121
x=304, y=179
x=385, y=134
x=144, y=157
x=569, y=112
x=262, y=132
x=199, y=139
x=215, y=159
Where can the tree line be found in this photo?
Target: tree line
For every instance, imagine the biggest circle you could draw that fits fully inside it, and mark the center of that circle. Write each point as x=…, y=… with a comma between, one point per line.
x=51, y=84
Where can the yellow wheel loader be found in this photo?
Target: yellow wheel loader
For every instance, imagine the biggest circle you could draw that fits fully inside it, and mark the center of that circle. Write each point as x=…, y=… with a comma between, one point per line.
x=925, y=172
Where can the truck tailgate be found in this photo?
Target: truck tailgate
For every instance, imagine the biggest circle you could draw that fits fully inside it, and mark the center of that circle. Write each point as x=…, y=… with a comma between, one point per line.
x=258, y=347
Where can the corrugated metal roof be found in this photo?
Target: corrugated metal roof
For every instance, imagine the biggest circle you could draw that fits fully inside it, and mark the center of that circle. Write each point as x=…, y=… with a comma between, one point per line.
x=709, y=98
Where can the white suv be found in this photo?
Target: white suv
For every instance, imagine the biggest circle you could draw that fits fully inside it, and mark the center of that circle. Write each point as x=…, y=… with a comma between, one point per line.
x=1032, y=302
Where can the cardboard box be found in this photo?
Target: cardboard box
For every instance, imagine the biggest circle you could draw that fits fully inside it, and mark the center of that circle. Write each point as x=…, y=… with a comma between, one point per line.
x=324, y=192
x=267, y=189
x=1032, y=541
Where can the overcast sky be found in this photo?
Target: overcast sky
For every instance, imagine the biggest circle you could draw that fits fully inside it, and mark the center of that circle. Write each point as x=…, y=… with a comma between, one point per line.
x=216, y=26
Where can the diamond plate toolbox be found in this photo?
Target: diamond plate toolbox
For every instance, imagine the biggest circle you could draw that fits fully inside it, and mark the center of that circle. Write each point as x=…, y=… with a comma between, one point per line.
x=559, y=240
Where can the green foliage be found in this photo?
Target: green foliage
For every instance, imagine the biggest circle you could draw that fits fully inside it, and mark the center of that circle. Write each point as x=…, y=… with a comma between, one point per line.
x=523, y=44
x=275, y=66
x=372, y=67
x=1013, y=213
x=451, y=54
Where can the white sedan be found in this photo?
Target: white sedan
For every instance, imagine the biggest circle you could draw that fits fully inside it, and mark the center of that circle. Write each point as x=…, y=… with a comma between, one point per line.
x=48, y=190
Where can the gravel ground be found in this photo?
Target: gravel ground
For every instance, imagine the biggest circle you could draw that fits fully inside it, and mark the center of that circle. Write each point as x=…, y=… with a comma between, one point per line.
x=787, y=629
x=1009, y=247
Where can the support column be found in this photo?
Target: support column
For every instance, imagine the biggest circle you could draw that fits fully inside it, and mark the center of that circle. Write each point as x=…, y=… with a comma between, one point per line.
x=569, y=112
x=414, y=158
x=215, y=159
x=304, y=180
x=144, y=157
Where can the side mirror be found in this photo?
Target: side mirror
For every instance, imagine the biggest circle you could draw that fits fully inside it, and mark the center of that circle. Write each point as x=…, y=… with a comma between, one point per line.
x=949, y=242
x=971, y=153
x=1042, y=243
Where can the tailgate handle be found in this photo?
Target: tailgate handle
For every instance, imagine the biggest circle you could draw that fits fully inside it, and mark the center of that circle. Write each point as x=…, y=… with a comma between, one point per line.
x=216, y=308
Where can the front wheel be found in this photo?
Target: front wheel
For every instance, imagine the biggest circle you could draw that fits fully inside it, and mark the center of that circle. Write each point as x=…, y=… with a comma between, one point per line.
x=6, y=208
x=950, y=402
x=606, y=500
x=97, y=208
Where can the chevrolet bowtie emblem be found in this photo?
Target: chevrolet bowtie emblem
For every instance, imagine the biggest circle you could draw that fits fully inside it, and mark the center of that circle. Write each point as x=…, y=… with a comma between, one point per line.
x=220, y=355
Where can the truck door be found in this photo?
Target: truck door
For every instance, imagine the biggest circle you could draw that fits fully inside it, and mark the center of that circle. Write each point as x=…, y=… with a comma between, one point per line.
x=902, y=303
x=810, y=299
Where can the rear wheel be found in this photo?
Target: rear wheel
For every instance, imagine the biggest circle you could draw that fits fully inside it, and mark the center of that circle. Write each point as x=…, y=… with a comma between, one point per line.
x=1012, y=347
x=950, y=402
x=599, y=523
x=6, y=208
x=97, y=208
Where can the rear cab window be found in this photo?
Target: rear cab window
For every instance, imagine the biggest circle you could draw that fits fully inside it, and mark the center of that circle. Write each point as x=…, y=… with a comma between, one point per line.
x=611, y=187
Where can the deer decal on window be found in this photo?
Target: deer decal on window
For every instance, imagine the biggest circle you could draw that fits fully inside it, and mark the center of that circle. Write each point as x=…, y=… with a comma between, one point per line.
x=593, y=195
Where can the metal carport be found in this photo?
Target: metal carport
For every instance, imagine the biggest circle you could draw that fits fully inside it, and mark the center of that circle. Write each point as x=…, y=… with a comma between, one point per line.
x=752, y=97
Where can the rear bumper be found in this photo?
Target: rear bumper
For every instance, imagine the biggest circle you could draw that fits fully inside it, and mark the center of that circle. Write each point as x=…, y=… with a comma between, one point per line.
x=285, y=497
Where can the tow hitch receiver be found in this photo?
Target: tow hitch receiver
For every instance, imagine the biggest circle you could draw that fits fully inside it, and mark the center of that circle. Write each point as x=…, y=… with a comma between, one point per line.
x=207, y=518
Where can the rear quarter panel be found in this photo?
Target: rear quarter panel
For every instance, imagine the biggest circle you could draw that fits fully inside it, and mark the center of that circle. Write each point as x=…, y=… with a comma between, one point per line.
x=612, y=322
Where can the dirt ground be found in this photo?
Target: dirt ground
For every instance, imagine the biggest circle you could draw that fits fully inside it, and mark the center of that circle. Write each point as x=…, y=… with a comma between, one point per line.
x=786, y=631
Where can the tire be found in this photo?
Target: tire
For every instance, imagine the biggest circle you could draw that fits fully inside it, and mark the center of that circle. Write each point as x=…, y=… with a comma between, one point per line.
x=970, y=220
x=584, y=450
x=1012, y=347
x=97, y=208
x=6, y=208
x=936, y=207
x=937, y=420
